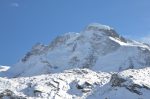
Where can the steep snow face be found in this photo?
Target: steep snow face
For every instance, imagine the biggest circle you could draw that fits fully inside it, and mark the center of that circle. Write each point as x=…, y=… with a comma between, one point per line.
x=97, y=47
x=79, y=84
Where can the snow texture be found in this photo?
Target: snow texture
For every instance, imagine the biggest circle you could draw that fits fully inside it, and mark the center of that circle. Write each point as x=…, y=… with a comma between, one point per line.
x=96, y=63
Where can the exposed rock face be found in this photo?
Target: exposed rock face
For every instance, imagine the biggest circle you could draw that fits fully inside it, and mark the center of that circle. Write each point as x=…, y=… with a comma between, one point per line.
x=8, y=94
x=36, y=50
x=116, y=81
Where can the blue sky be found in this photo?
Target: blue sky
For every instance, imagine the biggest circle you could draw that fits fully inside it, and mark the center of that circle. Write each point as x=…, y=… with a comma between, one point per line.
x=26, y=22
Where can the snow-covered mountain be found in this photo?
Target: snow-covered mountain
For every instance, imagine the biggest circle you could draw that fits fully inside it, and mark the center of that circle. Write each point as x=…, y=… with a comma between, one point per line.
x=96, y=63
x=79, y=84
x=98, y=47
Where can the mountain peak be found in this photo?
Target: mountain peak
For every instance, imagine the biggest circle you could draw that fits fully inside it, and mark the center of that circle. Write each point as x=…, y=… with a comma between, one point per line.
x=103, y=30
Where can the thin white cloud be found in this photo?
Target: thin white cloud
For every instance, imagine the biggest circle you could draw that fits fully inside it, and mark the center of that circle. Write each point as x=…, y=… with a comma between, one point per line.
x=15, y=4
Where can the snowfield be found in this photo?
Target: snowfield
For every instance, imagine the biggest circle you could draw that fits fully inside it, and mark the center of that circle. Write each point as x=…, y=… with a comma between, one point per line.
x=80, y=84
x=96, y=63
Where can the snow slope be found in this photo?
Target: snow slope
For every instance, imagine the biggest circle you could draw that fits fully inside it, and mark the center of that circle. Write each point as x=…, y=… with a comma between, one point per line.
x=80, y=84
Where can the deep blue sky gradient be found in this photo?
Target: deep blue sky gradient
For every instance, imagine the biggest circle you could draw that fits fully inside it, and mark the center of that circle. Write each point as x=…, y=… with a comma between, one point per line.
x=26, y=22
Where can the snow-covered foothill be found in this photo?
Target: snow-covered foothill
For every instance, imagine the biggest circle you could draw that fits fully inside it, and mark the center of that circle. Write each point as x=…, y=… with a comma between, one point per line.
x=80, y=84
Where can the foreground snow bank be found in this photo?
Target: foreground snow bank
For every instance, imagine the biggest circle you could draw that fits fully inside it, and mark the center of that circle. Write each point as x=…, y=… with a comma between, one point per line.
x=79, y=84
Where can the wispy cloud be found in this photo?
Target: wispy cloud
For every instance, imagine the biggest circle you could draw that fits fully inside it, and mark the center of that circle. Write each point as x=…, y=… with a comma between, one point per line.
x=15, y=4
